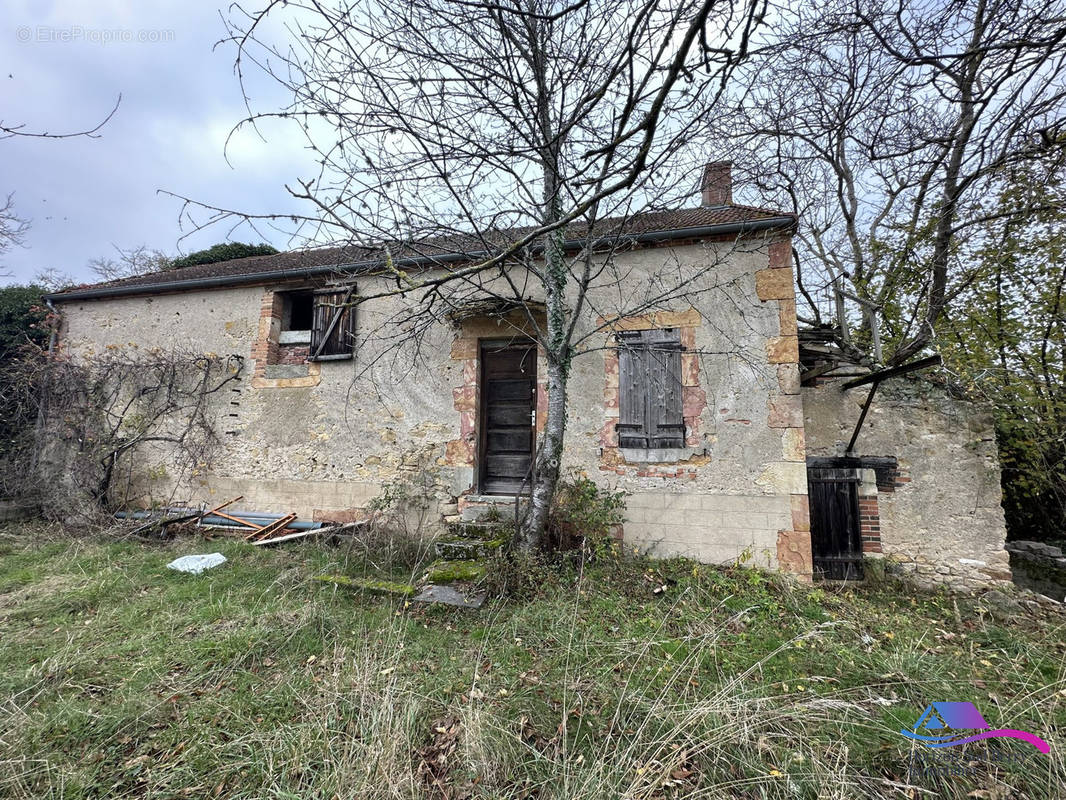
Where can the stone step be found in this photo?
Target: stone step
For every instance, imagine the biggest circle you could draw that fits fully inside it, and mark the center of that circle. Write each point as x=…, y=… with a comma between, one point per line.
x=479, y=531
x=450, y=596
x=487, y=508
x=458, y=549
x=445, y=571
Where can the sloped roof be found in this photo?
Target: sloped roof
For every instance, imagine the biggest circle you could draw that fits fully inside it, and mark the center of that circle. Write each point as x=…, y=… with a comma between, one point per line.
x=638, y=229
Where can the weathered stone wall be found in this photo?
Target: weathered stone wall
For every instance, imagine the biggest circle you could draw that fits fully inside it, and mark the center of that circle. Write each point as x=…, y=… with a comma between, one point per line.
x=938, y=514
x=319, y=439
x=740, y=487
x=322, y=439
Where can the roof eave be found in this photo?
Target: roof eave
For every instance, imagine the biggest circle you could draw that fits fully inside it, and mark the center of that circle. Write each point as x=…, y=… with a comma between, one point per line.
x=226, y=281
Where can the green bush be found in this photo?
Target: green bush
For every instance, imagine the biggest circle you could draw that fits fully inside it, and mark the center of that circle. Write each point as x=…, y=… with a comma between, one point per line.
x=583, y=513
x=22, y=319
x=224, y=251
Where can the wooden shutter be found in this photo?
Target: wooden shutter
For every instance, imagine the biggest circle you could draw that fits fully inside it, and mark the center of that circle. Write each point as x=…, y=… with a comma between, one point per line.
x=333, y=331
x=665, y=424
x=649, y=389
x=632, y=372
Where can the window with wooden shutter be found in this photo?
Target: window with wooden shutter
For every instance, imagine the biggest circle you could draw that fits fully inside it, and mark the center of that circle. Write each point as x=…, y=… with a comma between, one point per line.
x=333, y=328
x=649, y=389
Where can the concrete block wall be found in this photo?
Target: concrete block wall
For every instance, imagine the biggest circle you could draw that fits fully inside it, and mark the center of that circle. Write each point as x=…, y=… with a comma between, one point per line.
x=714, y=528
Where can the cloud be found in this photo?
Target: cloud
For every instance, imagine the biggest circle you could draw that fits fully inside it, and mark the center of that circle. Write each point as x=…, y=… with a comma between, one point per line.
x=68, y=62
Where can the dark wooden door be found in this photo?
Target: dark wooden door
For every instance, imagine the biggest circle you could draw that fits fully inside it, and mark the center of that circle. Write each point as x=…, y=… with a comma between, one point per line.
x=836, y=544
x=508, y=404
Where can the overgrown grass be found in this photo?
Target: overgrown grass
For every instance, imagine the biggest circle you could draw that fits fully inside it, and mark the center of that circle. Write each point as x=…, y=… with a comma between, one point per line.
x=635, y=679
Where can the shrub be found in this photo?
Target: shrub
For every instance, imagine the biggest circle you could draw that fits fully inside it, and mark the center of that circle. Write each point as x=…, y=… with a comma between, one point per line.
x=583, y=513
x=224, y=251
x=23, y=319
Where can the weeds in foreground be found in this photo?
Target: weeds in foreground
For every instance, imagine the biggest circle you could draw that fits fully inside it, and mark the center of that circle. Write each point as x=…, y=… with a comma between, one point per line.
x=621, y=678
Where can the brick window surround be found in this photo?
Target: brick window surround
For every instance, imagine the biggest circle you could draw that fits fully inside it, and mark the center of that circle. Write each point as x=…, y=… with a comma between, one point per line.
x=693, y=397
x=268, y=350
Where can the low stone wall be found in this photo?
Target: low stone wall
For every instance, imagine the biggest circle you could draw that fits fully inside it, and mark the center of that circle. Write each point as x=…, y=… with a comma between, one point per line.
x=931, y=500
x=1039, y=567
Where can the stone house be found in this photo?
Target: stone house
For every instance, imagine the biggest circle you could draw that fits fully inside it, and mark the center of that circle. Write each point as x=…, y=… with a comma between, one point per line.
x=693, y=406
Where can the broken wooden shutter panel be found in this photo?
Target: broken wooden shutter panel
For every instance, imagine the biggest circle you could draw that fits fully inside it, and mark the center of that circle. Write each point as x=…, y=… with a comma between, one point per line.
x=333, y=331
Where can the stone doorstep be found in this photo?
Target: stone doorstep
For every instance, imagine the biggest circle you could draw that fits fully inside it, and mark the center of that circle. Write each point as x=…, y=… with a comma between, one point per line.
x=429, y=593
x=453, y=582
x=476, y=507
x=480, y=531
x=490, y=499
x=466, y=549
x=470, y=542
x=466, y=570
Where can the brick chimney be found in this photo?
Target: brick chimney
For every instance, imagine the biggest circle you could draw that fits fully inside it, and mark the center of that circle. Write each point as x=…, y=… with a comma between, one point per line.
x=717, y=183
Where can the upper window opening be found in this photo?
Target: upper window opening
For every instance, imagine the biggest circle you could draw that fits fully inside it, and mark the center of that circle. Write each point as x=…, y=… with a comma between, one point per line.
x=299, y=311
x=315, y=325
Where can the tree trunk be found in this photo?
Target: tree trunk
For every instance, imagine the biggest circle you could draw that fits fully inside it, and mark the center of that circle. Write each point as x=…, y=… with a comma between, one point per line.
x=557, y=335
x=549, y=456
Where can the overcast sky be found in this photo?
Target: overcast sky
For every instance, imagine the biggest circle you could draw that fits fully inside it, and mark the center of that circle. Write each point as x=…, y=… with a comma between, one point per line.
x=63, y=64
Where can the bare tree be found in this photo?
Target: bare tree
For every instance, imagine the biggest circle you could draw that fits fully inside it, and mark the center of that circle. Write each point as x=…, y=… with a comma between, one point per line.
x=53, y=279
x=127, y=263
x=72, y=432
x=884, y=122
x=8, y=130
x=12, y=227
x=495, y=130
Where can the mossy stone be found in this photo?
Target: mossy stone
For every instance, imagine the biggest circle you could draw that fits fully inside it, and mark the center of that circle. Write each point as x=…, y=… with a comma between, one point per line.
x=453, y=571
x=454, y=548
x=372, y=585
x=481, y=531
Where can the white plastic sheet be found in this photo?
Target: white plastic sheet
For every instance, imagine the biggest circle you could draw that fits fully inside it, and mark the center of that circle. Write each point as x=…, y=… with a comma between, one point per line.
x=197, y=564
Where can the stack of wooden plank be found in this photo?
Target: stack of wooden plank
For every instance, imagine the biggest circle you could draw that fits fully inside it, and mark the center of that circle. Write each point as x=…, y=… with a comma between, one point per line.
x=272, y=532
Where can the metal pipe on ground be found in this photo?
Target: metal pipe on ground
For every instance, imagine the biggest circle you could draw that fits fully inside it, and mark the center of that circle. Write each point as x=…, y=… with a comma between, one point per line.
x=258, y=518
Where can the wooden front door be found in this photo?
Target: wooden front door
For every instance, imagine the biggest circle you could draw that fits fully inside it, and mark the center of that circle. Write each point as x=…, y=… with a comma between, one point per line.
x=508, y=415
x=836, y=544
